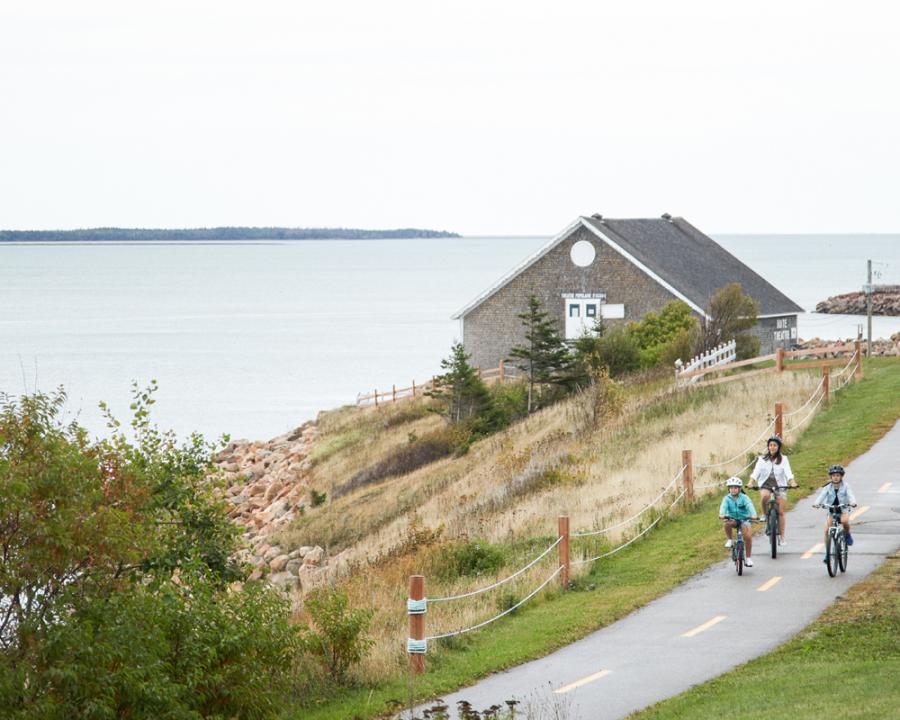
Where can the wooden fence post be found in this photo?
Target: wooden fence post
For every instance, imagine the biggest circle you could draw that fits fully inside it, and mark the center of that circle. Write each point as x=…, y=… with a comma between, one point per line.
x=779, y=420
x=564, y=551
x=417, y=623
x=376, y=397
x=501, y=371
x=858, y=371
x=393, y=393
x=826, y=382
x=414, y=388
x=687, y=460
x=779, y=359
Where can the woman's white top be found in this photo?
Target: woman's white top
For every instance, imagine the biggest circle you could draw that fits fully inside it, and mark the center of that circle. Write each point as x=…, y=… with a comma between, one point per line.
x=765, y=469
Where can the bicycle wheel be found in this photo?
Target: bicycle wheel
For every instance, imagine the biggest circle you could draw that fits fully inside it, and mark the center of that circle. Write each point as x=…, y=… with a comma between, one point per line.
x=831, y=553
x=739, y=558
x=772, y=524
x=842, y=552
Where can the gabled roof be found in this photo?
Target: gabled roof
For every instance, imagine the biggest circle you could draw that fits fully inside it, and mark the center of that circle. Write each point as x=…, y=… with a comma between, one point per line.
x=673, y=253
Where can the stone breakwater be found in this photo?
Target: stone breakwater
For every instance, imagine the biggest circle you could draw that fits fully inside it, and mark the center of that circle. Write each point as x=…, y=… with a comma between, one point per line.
x=885, y=301
x=880, y=347
x=266, y=484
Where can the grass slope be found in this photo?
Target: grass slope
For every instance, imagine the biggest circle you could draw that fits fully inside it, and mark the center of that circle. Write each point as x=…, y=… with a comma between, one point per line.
x=847, y=662
x=861, y=414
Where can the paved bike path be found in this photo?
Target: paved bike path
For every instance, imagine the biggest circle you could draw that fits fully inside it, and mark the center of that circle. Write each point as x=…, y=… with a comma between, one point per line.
x=647, y=657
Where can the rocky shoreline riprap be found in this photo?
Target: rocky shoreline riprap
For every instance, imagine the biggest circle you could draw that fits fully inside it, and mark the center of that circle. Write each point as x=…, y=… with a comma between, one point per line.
x=880, y=347
x=885, y=301
x=266, y=485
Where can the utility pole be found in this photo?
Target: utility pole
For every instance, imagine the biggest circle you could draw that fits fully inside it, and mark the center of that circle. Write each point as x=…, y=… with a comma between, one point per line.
x=869, y=309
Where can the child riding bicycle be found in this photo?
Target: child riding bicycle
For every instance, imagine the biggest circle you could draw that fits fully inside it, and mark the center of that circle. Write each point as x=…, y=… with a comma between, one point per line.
x=736, y=505
x=834, y=495
x=773, y=474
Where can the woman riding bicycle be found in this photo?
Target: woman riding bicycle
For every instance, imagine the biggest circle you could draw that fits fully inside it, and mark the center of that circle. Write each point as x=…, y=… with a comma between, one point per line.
x=835, y=494
x=773, y=474
x=736, y=504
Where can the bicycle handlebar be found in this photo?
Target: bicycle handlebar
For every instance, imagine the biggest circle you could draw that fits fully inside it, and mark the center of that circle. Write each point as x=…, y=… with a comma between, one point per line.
x=770, y=488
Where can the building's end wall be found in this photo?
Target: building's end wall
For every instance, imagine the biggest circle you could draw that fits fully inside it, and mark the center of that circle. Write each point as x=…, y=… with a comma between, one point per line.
x=775, y=332
x=491, y=329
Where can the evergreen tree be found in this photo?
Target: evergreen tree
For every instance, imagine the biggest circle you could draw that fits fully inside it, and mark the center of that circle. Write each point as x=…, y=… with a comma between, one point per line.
x=462, y=394
x=544, y=357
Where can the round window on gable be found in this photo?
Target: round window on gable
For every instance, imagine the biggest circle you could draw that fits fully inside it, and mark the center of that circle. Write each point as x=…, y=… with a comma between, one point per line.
x=583, y=253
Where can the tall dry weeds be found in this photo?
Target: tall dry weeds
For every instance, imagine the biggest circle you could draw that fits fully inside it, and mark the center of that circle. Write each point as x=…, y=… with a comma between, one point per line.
x=511, y=487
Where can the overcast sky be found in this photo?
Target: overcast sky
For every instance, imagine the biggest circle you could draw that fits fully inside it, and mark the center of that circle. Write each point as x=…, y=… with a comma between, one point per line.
x=481, y=117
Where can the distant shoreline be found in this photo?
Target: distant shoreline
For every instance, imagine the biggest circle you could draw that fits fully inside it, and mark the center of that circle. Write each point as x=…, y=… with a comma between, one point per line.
x=218, y=234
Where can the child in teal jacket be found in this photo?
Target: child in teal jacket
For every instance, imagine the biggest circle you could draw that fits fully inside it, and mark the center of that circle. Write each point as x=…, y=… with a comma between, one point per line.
x=736, y=504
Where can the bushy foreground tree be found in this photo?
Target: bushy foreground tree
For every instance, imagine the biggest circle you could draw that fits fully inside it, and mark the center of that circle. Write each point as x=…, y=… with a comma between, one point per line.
x=731, y=314
x=116, y=587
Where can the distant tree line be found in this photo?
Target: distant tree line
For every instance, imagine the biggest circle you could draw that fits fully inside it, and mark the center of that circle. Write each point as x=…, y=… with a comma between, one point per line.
x=218, y=233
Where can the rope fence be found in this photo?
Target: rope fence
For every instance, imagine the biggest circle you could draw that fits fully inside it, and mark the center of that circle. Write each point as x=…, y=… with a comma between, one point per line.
x=499, y=582
x=417, y=603
x=640, y=512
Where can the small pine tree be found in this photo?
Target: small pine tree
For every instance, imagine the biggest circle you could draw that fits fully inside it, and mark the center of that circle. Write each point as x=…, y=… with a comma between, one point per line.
x=544, y=357
x=461, y=393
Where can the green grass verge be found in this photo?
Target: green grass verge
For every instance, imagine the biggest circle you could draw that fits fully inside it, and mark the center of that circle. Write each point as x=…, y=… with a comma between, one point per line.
x=856, y=419
x=846, y=663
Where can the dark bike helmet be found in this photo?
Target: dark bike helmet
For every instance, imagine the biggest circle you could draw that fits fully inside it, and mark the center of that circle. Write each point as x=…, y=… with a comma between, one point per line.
x=774, y=438
x=836, y=469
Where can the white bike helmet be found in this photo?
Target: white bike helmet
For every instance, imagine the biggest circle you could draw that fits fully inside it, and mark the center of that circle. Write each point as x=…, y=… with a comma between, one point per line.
x=734, y=482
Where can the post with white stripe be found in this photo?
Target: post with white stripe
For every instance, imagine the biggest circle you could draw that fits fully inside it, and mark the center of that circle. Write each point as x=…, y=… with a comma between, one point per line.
x=779, y=420
x=417, y=623
x=564, y=551
x=687, y=461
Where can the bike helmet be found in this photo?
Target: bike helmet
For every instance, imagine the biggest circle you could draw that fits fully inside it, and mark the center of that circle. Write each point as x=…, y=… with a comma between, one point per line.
x=836, y=469
x=734, y=482
x=774, y=438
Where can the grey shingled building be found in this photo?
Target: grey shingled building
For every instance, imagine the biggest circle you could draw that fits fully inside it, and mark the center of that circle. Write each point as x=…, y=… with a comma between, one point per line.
x=619, y=269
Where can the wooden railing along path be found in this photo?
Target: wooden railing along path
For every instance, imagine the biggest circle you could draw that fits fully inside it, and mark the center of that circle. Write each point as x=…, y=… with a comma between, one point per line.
x=379, y=397
x=685, y=376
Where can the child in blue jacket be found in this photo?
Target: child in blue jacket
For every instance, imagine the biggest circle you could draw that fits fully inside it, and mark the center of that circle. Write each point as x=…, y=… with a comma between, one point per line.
x=836, y=494
x=736, y=504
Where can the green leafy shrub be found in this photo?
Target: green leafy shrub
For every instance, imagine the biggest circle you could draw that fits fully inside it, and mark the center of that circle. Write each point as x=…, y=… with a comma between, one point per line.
x=467, y=559
x=115, y=579
x=746, y=346
x=655, y=332
x=618, y=351
x=337, y=636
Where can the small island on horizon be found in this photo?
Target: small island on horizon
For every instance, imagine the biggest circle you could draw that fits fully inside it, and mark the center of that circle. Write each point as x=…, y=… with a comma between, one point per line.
x=217, y=233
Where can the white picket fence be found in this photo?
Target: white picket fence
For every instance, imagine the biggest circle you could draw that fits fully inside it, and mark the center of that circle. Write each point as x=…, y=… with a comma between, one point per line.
x=720, y=355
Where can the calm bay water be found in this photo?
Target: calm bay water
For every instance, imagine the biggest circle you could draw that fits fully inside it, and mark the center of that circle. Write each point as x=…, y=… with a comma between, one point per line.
x=253, y=338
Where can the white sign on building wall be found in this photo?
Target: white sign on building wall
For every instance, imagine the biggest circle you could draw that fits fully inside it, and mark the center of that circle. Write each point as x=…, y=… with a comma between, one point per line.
x=583, y=309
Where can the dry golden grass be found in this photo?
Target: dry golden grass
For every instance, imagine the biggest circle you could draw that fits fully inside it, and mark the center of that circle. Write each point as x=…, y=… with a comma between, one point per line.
x=511, y=487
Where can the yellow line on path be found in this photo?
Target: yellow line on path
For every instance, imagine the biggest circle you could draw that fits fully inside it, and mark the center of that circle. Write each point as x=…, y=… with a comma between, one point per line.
x=814, y=549
x=885, y=488
x=768, y=583
x=583, y=681
x=705, y=626
x=859, y=512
